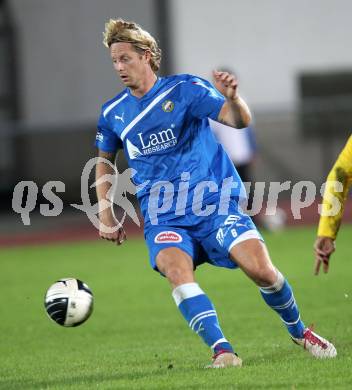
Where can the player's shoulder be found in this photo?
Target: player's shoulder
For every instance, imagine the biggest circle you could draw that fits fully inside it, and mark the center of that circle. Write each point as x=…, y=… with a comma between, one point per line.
x=187, y=77
x=111, y=103
x=188, y=82
x=193, y=80
x=183, y=77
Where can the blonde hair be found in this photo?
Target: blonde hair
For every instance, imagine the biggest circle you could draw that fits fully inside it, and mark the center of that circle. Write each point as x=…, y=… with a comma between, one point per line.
x=119, y=30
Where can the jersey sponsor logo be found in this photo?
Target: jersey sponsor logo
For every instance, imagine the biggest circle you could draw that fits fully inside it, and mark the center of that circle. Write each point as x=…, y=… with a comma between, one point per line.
x=168, y=106
x=120, y=117
x=132, y=150
x=156, y=142
x=167, y=236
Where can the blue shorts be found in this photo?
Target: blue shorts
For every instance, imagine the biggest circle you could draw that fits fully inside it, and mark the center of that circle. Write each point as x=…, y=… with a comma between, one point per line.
x=206, y=239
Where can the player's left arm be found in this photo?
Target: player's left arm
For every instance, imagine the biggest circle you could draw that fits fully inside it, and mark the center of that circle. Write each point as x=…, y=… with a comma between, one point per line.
x=234, y=112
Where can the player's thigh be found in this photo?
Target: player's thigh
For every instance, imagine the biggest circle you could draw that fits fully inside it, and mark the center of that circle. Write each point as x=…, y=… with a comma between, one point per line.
x=171, y=252
x=253, y=258
x=226, y=231
x=176, y=265
x=236, y=241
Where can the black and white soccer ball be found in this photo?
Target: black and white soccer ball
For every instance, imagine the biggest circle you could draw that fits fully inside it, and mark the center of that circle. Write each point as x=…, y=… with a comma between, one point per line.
x=69, y=302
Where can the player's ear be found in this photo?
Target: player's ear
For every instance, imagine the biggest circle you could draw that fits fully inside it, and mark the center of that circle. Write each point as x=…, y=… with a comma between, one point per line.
x=148, y=55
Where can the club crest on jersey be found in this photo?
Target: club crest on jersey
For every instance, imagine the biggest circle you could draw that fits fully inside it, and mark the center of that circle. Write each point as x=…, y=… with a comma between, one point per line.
x=167, y=236
x=168, y=106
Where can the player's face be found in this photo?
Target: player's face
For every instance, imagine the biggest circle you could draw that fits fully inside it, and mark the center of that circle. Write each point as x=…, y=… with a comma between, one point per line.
x=129, y=64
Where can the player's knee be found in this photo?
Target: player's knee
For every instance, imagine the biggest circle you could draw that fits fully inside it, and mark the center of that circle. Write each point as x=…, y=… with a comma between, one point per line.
x=177, y=276
x=177, y=268
x=266, y=276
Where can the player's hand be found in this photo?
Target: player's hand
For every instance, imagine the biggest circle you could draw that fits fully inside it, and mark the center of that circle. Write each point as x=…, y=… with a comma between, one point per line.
x=323, y=248
x=226, y=84
x=109, y=222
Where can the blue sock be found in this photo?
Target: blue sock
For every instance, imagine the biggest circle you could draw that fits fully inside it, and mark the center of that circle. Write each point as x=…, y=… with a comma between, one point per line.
x=201, y=316
x=280, y=298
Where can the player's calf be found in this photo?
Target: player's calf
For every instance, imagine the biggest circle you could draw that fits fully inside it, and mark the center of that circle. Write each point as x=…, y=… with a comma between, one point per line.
x=253, y=258
x=201, y=316
x=279, y=296
x=191, y=300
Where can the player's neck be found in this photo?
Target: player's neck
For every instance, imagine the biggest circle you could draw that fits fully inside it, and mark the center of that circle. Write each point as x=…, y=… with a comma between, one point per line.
x=145, y=86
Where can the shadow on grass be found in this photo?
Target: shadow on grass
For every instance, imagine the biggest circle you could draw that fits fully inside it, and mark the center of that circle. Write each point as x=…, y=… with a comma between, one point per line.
x=69, y=381
x=86, y=380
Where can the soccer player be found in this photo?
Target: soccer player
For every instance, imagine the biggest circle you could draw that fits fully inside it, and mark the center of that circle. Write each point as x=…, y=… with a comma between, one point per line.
x=329, y=225
x=162, y=125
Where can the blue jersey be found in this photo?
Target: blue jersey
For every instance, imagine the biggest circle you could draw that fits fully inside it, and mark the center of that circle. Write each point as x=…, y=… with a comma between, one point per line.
x=167, y=139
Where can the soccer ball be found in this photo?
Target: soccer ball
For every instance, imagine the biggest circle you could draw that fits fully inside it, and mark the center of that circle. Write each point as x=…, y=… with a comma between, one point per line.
x=69, y=302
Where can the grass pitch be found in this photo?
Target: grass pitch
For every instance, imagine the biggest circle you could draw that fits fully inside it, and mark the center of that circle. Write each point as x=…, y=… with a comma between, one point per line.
x=136, y=339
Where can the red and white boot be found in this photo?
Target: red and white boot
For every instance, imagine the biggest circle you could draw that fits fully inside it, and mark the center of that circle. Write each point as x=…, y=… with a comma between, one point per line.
x=316, y=345
x=225, y=359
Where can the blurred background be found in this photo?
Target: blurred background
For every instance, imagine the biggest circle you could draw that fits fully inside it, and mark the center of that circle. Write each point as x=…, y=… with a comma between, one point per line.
x=292, y=60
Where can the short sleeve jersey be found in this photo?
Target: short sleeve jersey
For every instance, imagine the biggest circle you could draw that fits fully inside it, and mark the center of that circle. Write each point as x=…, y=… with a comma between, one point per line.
x=167, y=139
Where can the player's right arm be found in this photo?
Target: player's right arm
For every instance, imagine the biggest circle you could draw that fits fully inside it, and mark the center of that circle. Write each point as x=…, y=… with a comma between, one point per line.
x=108, y=144
x=329, y=225
x=106, y=216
